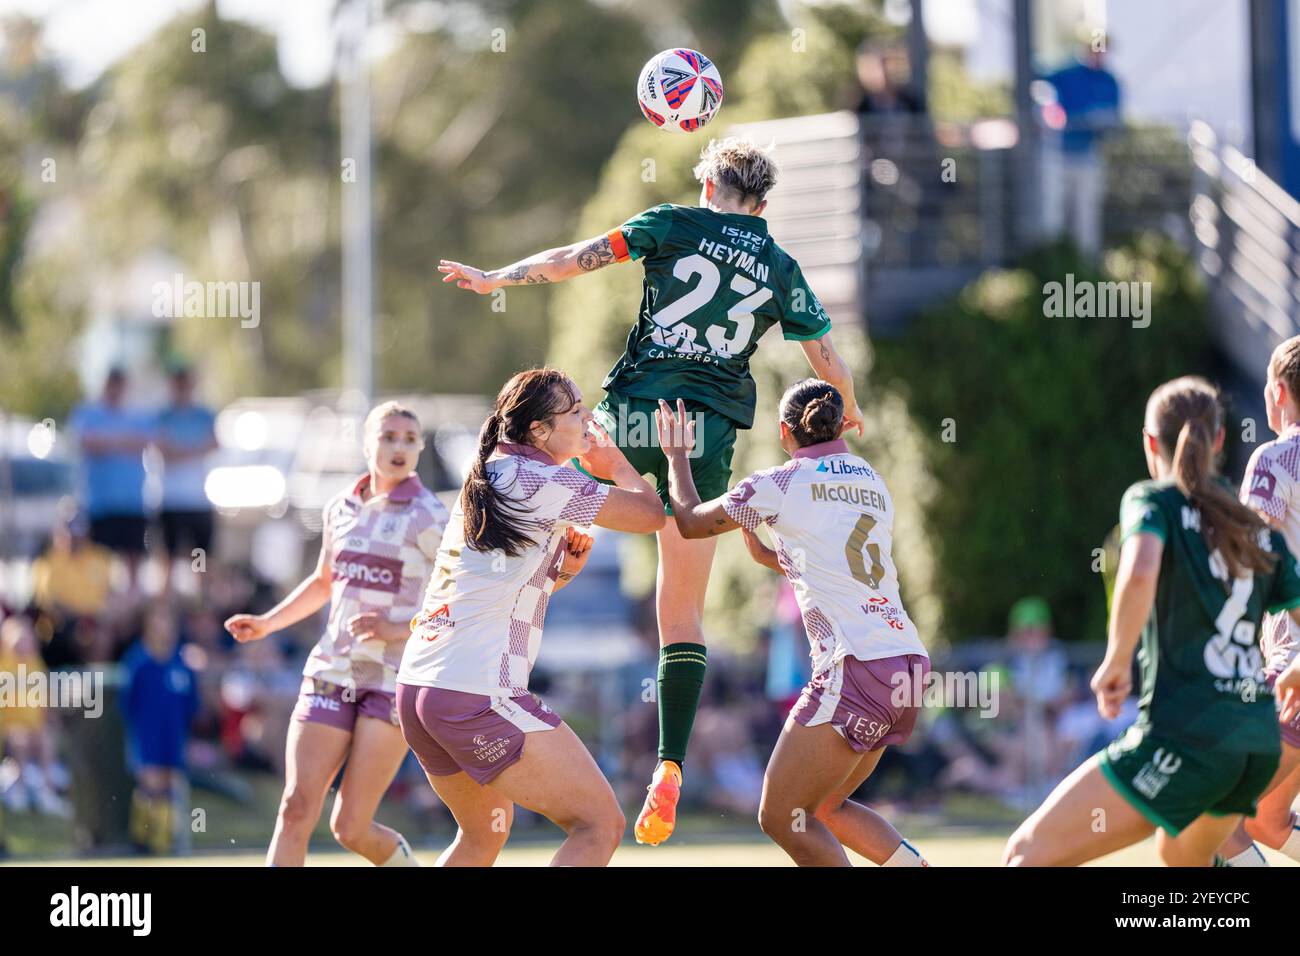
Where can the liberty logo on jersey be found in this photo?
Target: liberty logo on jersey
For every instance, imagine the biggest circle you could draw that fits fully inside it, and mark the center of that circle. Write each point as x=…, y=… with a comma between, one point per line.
x=836, y=466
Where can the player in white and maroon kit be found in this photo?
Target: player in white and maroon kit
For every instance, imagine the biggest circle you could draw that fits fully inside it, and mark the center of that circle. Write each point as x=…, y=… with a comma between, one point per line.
x=379, y=542
x=832, y=519
x=1272, y=488
x=484, y=740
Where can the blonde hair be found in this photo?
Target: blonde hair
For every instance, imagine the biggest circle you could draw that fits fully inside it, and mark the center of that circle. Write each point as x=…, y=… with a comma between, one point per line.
x=1284, y=365
x=381, y=411
x=738, y=167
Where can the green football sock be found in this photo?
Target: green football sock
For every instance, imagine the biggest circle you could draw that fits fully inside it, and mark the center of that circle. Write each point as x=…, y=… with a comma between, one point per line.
x=681, y=676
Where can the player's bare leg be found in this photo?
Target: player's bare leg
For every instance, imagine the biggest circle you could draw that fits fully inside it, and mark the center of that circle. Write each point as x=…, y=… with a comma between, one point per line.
x=680, y=586
x=1082, y=819
x=1196, y=844
x=483, y=820
x=807, y=765
x=861, y=829
x=1274, y=822
x=558, y=778
x=378, y=749
x=313, y=755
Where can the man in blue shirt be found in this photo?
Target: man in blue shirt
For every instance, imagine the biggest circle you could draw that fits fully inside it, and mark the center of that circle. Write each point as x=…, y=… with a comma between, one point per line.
x=1074, y=182
x=112, y=439
x=185, y=434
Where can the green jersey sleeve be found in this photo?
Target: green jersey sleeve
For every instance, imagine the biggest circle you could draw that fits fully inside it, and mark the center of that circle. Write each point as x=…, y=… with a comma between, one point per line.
x=1140, y=512
x=645, y=232
x=1285, y=593
x=803, y=317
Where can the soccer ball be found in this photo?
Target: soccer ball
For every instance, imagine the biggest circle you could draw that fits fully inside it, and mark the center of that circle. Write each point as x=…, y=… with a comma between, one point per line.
x=679, y=90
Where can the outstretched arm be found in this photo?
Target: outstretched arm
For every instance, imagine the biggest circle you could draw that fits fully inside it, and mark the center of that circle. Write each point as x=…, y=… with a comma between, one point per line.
x=553, y=265
x=695, y=519
x=830, y=367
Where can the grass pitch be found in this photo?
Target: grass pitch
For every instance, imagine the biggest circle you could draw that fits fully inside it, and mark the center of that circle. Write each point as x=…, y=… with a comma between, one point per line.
x=983, y=849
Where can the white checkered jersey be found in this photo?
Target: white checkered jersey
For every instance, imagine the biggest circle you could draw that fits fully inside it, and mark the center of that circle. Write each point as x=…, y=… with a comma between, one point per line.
x=480, y=628
x=380, y=553
x=833, y=519
x=1271, y=486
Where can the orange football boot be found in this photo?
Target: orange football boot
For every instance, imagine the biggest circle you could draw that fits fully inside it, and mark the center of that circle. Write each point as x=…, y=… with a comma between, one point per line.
x=659, y=815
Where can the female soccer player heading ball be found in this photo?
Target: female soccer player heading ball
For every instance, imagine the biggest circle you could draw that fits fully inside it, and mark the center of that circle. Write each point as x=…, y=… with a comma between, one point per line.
x=714, y=283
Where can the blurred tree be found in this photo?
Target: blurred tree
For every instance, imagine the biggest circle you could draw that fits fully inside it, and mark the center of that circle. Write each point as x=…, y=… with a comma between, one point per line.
x=1031, y=425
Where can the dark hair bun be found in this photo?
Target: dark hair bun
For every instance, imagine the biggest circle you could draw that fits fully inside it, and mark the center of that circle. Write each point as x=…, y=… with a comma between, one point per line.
x=821, y=418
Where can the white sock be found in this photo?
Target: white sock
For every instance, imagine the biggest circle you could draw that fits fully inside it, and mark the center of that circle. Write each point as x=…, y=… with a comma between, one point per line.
x=1251, y=856
x=905, y=855
x=1291, y=847
x=402, y=856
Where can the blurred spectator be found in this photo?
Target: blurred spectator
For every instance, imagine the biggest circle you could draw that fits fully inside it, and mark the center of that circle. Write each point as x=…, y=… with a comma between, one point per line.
x=159, y=701
x=73, y=576
x=789, y=667
x=185, y=432
x=1082, y=731
x=883, y=71
x=113, y=439
x=29, y=773
x=257, y=693
x=71, y=585
x=1040, y=681
x=724, y=751
x=1074, y=180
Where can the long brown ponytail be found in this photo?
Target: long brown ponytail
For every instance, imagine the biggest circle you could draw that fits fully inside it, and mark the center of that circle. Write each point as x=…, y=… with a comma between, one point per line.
x=492, y=521
x=1185, y=416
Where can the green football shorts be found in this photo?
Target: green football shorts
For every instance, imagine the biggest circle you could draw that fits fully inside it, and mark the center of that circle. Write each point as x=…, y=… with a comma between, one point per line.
x=631, y=424
x=1171, y=783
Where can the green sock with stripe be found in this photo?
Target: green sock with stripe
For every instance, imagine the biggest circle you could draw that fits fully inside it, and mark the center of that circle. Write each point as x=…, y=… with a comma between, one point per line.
x=681, y=677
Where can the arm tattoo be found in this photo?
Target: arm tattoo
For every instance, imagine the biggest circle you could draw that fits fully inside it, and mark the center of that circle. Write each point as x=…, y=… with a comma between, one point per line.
x=826, y=353
x=524, y=275
x=599, y=253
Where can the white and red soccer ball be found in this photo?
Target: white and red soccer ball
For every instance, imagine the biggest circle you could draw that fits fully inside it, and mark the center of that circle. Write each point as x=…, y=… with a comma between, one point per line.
x=679, y=90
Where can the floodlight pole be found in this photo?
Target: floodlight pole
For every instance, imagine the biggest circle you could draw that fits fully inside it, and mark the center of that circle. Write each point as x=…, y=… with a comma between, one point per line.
x=357, y=225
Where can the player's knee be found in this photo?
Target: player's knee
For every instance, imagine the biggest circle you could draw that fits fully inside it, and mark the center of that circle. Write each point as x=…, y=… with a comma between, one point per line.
x=603, y=821
x=1175, y=852
x=610, y=825
x=1269, y=828
x=829, y=807
x=296, y=808
x=1020, y=850
x=349, y=832
x=777, y=821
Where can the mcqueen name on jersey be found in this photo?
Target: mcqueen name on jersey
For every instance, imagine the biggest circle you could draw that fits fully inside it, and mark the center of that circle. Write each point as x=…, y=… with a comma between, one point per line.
x=849, y=495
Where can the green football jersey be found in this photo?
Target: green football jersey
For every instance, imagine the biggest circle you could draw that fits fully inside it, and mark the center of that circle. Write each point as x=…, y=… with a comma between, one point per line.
x=1202, y=668
x=714, y=283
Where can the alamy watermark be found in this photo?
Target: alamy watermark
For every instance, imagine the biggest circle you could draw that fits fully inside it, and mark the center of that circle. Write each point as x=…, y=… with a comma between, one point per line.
x=636, y=429
x=180, y=299
x=1098, y=300
x=67, y=690
x=959, y=689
